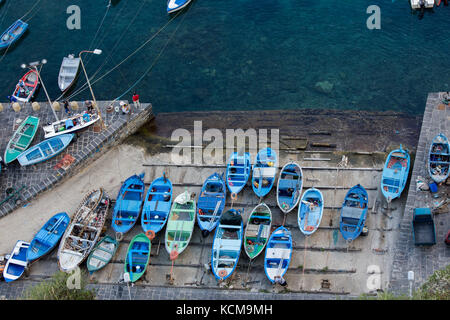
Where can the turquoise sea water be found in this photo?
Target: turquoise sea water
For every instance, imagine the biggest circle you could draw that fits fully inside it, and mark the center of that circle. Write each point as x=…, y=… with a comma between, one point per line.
x=240, y=54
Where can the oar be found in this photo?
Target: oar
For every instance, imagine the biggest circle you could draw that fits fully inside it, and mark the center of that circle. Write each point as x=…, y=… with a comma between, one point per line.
x=216, y=210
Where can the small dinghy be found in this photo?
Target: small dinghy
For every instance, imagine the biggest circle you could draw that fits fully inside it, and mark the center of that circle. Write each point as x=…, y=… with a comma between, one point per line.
x=157, y=205
x=211, y=203
x=395, y=174
x=417, y=4
x=289, y=187
x=227, y=244
x=48, y=237
x=175, y=5
x=238, y=171
x=102, y=254
x=138, y=256
x=17, y=262
x=26, y=87
x=439, y=158
x=45, y=150
x=353, y=213
x=264, y=172
x=180, y=224
x=128, y=204
x=21, y=139
x=84, y=230
x=310, y=211
x=70, y=125
x=257, y=231
x=68, y=72
x=278, y=254
x=13, y=33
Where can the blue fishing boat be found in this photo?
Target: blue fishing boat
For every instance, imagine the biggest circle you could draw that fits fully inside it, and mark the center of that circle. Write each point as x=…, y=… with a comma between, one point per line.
x=227, y=244
x=128, y=204
x=439, y=158
x=13, y=33
x=211, y=203
x=353, y=213
x=289, y=187
x=157, y=205
x=278, y=254
x=48, y=237
x=175, y=5
x=238, y=171
x=395, y=174
x=264, y=172
x=45, y=150
x=310, y=211
x=17, y=262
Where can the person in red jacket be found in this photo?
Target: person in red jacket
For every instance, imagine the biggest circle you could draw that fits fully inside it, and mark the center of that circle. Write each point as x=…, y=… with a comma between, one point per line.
x=136, y=102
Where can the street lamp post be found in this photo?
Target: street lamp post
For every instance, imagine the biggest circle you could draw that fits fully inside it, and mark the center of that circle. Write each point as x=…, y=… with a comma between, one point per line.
x=96, y=51
x=33, y=66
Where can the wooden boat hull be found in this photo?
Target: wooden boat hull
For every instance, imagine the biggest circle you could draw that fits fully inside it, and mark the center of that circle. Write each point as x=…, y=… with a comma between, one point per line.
x=16, y=264
x=227, y=244
x=84, y=230
x=13, y=33
x=102, y=254
x=264, y=172
x=45, y=150
x=21, y=139
x=180, y=225
x=176, y=5
x=138, y=256
x=395, y=174
x=70, y=125
x=26, y=92
x=211, y=202
x=310, y=211
x=128, y=204
x=238, y=171
x=158, y=201
x=278, y=254
x=289, y=187
x=257, y=231
x=439, y=158
x=48, y=237
x=353, y=213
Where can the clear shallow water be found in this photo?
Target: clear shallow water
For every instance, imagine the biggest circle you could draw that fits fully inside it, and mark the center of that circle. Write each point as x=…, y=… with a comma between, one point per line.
x=242, y=54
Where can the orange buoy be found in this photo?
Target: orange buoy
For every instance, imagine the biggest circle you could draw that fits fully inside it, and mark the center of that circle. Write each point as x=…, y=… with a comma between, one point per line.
x=173, y=255
x=222, y=273
x=150, y=234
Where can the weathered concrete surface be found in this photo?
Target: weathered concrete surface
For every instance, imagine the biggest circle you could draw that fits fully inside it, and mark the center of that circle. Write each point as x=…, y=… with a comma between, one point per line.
x=90, y=143
x=408, y=257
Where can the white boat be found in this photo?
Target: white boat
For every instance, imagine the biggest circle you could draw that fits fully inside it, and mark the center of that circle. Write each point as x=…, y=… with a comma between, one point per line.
x=17, y=262
x=83, y=232
x=68, y=72
x=417, y=4
x=71, y=124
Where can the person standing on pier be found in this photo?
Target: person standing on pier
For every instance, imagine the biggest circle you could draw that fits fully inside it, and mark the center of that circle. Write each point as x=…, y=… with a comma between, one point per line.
x=136, y=102
x=66, y=107
x=89, y=106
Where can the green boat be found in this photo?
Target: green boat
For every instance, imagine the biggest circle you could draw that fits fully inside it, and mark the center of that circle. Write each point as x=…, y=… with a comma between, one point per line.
x=21, y=139
x=138, y=256
x=180, y=224
x=257, y=232
x=102, y=254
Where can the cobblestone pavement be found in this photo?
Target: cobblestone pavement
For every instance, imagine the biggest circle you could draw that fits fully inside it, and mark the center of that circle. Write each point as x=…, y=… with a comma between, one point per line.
x=423, y=260
x=43, y=176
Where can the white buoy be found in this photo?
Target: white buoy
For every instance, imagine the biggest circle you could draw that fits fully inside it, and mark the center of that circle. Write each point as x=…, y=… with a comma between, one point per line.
x=56, y=106
x=1, y=107
x=74, y=105
x=36, y=106
x=16, y=106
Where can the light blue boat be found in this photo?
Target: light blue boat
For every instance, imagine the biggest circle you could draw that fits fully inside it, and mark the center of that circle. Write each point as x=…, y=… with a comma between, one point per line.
x=13, y=33
x=353, y=213
x=45, y=150
x=175, y=5
x=238, y=171
x=264, y=172
x=128, y=204
x=439, y=158
x=157, y=205
x=48, y=237
x=278, y=254
x=17, y=262
x=211, y=203
x=227, y=244
x=289, y=187
x=310, y=211
x=395, y=174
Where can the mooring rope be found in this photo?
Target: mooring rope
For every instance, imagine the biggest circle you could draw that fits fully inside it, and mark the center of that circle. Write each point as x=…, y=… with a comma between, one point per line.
x=98, y=30
x=32, y=8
